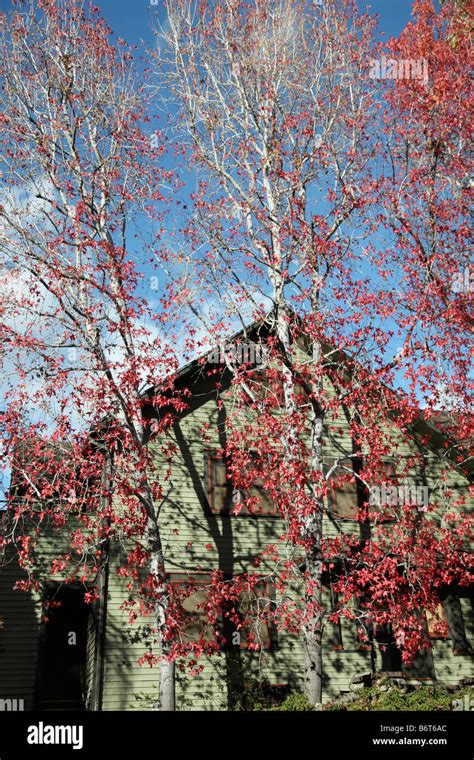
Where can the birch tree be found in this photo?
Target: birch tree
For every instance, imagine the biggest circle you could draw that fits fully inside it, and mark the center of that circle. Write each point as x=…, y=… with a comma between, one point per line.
x=278, y=113
x=80, y=336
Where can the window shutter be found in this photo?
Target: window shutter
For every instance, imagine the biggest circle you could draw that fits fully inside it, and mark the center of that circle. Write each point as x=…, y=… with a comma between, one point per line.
x=457, y=629
x=344, y=494
x=436, y=623
x=388, y=477
x=219, y=486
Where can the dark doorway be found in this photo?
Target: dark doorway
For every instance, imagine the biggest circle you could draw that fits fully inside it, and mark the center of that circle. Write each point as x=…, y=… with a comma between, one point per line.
x=61, y=683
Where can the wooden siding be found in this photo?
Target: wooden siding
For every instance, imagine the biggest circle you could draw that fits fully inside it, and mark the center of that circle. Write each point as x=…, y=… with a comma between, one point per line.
x=188, y=528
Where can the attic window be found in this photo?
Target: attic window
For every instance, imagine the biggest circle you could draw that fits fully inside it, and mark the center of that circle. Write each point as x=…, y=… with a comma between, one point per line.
x=267, y=386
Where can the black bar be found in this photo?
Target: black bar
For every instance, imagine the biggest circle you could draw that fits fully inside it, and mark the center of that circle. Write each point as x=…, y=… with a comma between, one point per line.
x=117, y=735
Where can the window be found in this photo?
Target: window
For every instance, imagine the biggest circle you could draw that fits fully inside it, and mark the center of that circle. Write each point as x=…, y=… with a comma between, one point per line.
x=456, y=622
x=265, y=387
x=344, y=493
x=268, y=386
x=193, y=594
x=349, y=493
x=436, y=623
x=265, y=505
x=247, y=625
x=383, y=495
x=219, y=486
x=250, y=626
x=370, y=633
x=224, y=499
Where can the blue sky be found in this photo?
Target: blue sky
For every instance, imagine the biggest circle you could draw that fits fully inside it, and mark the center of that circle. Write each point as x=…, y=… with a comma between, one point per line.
x=130, y=19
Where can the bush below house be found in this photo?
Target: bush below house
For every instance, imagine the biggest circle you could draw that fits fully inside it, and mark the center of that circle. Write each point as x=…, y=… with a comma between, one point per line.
x=385, y=696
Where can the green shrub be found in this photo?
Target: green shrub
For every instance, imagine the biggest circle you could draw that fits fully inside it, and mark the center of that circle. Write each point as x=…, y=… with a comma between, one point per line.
x=296, y=702
x=386, y=697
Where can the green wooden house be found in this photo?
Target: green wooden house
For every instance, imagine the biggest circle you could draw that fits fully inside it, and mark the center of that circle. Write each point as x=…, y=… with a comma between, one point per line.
x=86, y=656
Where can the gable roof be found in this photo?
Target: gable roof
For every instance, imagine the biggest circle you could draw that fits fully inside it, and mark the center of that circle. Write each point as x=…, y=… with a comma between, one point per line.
x=431, y=432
